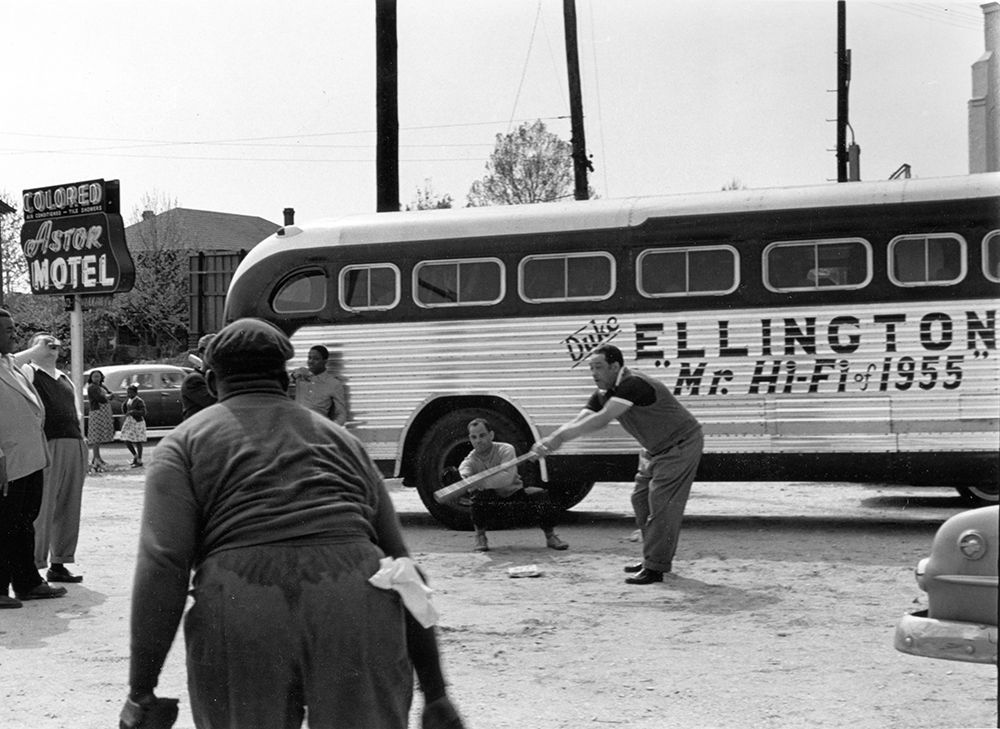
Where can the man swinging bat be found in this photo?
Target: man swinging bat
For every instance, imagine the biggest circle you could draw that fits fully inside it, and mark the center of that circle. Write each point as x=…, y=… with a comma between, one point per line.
x=501, y=490
x=671, y=441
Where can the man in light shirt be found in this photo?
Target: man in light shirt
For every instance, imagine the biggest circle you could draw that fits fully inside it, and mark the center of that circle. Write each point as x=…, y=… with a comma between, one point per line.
x=57, y=527
x=23, y=457
x=498, y=495
x=320, y=388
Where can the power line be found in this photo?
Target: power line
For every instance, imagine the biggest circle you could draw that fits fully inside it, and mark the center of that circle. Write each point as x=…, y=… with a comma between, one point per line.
x=239, y=140
x=208, y=158
x=524, y=69
x=934, y=14
x=597, y=94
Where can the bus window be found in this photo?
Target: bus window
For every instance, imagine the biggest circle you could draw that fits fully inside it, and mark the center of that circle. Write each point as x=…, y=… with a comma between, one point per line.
x=471, y=282
x=566, y=277
x=710, y=270
x=302, y=292
x=808, y=265
x=991, y=256
x=926, y=260
x=369, y=287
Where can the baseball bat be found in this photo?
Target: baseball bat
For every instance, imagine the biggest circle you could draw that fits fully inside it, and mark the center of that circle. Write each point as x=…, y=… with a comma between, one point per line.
x=453, y=491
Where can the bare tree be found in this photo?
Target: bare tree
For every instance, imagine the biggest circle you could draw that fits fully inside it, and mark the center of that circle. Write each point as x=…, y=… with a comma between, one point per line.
x=528, y=165
x=13, y=264
x=155, y=310
x=427, y=199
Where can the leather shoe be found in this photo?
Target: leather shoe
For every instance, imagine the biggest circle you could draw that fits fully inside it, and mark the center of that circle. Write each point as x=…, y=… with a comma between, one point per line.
x=637, y=567
x=645, y=576
x=63, y=575
x=9, y=602
x=41, y=592
x=554, y=542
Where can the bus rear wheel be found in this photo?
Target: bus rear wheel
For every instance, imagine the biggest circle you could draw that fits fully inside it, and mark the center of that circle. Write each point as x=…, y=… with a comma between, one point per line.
x=569, y=494
x=980, y=495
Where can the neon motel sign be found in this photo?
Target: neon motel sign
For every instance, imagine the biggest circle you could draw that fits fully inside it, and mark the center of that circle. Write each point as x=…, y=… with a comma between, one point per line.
x=73, y=239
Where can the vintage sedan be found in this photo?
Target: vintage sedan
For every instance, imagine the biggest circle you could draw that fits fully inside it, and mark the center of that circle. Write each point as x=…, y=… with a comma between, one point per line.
x=159, y=387
x=960, y=579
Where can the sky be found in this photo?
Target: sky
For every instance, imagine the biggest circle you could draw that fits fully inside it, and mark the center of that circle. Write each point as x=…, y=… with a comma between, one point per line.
x=250, y=107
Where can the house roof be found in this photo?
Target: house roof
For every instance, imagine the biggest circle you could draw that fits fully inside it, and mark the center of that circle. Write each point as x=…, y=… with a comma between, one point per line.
x=200, y=230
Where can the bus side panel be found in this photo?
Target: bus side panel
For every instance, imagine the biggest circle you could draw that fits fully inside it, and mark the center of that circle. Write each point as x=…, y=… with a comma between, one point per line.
x=852, y=380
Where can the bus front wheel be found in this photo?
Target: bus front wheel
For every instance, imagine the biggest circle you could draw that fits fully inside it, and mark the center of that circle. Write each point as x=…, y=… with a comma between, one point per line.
x=444, y=446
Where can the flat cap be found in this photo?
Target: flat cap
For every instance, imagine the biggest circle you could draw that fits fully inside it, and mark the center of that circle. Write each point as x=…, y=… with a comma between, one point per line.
x=204, y=341
x=249, y=346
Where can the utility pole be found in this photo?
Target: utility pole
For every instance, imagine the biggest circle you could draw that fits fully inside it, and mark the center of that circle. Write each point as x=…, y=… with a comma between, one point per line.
x=580, y=162
x=387, y=108
x=843, y=84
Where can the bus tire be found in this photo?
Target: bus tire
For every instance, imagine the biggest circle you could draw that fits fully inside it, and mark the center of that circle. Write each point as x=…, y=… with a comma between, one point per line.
x=979, y=495
x=445, y=445
x=566, y=495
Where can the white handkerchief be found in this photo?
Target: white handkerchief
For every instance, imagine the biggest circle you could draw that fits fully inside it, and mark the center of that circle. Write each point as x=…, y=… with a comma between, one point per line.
x=401, y=575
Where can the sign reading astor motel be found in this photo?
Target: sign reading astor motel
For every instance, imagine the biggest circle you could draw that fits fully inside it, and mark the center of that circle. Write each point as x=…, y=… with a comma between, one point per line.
x=74, y=240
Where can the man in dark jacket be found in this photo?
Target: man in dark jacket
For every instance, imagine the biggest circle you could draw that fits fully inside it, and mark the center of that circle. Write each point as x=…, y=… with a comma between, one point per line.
x=282, y=518
x=195, y=394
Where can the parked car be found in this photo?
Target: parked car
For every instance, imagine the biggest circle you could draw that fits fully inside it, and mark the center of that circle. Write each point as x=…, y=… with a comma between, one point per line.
x=159, y=387
x=960, y=579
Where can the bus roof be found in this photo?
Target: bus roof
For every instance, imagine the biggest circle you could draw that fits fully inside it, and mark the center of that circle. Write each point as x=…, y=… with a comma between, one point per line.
x=375, y=228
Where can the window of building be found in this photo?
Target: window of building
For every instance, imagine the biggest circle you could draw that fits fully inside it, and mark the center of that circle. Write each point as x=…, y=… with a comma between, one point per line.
x=302, y=292
x=465, y=282
x=369, y=287
x=810, y=265
x=566, y=277
x=927, y=260
x=991, y=256
x=708, y=270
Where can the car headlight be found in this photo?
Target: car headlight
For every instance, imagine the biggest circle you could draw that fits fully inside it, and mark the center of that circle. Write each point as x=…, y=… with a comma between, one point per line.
x=920, y=572
x=972, y=544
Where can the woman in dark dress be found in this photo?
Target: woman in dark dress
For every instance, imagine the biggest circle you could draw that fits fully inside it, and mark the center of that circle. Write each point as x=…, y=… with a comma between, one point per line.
x=101, y=425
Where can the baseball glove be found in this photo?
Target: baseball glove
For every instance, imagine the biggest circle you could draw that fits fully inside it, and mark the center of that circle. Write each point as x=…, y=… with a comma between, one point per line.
x=151, y=712
x=441, y=714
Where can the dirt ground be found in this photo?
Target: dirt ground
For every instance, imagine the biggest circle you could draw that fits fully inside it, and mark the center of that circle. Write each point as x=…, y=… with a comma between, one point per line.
x=781, y=614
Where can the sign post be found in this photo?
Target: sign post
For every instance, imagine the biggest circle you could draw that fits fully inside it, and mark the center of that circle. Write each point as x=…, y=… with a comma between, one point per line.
x=73, y=239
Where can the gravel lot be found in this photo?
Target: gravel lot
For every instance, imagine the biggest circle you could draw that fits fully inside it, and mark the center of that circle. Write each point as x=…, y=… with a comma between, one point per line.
x=781, y=614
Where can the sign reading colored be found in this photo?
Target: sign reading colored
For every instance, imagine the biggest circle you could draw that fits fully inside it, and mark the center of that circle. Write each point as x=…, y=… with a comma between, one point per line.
x=73, y=238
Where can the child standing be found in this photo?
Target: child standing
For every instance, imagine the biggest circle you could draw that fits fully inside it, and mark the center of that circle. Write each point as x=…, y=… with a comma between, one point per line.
x=133, y=431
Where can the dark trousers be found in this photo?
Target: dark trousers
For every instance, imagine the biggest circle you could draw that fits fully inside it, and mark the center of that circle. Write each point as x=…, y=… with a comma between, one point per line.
x=18, y=510
x=277, y=628
x=662, y=487
x=490, y=510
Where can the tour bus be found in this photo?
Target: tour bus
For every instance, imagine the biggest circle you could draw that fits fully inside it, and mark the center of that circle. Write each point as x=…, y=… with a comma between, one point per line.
x=836, y=332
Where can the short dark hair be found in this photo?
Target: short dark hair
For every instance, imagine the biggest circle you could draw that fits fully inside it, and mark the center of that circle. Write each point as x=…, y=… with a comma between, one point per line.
x=324, y=353
x=481, y=421
x=612, y=354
